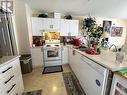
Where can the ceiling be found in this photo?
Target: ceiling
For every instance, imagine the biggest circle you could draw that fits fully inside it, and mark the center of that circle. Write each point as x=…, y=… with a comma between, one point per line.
x=101, y=8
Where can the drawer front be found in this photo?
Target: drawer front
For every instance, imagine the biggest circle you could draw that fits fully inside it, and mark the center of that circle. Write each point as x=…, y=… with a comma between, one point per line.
x=11, y=87
x=8, y=79
x=5, y=70
x=14, y=87
x=18, y=90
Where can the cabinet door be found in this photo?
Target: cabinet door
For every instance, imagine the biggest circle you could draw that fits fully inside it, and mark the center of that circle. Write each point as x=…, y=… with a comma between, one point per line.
x=119, y=85
x=65, y=55
x=70, y=57
x=64, y=27
x=47, y=23
x=73, y=27
x=74, y=61
x=55, y=24
x=50, y=23
x=37, y=57
x=37, y=26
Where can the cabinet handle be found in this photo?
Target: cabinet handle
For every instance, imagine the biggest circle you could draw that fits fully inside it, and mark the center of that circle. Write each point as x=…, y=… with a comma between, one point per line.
x=11, y=88
x=73, y=52
x=7, y=69
x=51, y=26
x=9, y=79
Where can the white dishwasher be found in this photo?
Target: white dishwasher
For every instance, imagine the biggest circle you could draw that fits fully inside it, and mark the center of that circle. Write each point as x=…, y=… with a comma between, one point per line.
x=93, y=77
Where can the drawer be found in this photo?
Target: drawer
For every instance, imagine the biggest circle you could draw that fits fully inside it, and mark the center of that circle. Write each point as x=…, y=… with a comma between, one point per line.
x=10, y=88
x=6, y=69
x=4, y=82
x=18, y=90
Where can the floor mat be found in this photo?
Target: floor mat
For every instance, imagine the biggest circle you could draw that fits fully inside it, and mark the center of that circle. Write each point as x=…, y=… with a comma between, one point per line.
x=37, y=92
x=72, y=84
x=52, y=69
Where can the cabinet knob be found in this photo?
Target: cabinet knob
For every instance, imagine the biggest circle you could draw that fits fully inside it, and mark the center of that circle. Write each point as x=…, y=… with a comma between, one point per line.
x=51, y=26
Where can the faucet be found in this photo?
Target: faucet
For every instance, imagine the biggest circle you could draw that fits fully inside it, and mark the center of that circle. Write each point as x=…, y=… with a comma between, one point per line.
x=114, y=46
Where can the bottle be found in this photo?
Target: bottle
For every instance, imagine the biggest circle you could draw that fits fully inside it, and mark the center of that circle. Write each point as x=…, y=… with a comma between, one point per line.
x=120, y=56
x=64, y=41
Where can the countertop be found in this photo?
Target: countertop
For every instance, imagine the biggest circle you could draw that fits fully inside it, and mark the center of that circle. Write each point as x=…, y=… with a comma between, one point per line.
x=105, y=59
x=7, y=59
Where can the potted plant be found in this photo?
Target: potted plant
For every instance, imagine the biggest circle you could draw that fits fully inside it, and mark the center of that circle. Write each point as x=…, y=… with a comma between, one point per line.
x=92, y=31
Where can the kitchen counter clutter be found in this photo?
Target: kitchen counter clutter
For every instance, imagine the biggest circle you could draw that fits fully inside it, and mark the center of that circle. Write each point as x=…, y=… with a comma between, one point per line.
x=106, y=59
x=11, y=82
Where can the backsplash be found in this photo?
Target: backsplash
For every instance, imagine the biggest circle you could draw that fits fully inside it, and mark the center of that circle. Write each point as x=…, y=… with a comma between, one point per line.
x=38, y=40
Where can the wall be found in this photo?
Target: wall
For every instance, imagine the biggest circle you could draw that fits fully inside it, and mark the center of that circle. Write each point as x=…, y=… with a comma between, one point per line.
x=118, y=41
x=125, y=45
x=22, y=11
x=29, y=24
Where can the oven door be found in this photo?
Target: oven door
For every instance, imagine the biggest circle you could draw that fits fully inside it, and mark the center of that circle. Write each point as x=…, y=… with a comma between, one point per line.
x=52, y=53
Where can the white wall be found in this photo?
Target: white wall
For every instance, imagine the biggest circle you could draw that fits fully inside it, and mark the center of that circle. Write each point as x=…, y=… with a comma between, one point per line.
x=29, y=24
x=118, y=41
x=21, y=12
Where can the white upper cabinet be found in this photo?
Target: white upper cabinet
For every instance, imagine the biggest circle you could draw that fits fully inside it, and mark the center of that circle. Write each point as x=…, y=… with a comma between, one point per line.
x=37, y=26
x=56, y=24
x=69, y=27
x=66, y=27
x=73, y=27
x=50, y=23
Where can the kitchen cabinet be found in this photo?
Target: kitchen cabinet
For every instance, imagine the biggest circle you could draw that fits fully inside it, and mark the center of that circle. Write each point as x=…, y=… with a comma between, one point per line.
x=40, y=25
x=69, y=27
x=37, y=57
x=37, y=26
x=66, y=27
x=65, y=55
x=89, y=73
x=94, y=76
x=11, y=82
x=119, y=85
x=73, y=27
x=74, y=61
x=51, y=24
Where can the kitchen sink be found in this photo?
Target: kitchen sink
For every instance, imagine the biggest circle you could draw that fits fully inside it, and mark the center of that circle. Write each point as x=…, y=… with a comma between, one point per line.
x=82, y=48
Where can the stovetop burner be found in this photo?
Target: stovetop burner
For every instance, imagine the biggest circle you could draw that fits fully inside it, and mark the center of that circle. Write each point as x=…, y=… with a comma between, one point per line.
x=56, y=45
x=48, y=45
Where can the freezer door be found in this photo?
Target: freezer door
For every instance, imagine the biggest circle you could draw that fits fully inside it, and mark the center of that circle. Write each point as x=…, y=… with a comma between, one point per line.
x=5, y=41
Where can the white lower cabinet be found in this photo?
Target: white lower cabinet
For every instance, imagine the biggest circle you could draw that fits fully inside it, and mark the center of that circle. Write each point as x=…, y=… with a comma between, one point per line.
x=74, y=60
x=91, y=78
x=11, y=82
x=65, y=59
x=37, y=57
x=90, y=75
x=119, y=85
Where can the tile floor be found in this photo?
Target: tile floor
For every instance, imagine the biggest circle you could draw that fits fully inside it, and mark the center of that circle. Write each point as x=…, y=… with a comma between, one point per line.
x=51, y=84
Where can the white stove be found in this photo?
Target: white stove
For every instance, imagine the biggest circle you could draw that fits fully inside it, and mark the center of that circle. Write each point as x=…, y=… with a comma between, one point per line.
x=52, y=55
x=51, y=45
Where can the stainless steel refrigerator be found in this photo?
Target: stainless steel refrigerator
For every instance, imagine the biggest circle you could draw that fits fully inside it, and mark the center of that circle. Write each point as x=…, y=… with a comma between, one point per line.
x=7, y=37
